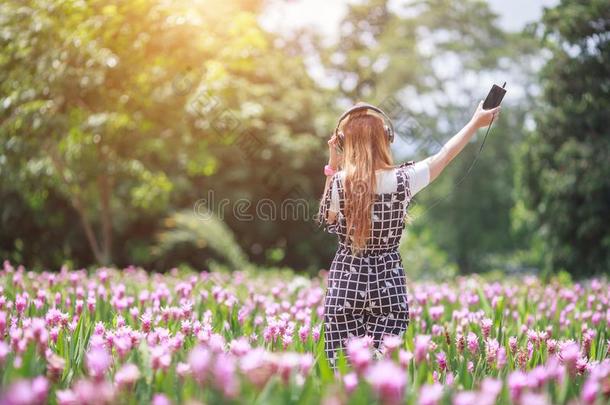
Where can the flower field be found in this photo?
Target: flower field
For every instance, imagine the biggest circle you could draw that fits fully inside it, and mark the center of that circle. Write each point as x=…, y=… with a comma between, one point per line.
x=128, y=336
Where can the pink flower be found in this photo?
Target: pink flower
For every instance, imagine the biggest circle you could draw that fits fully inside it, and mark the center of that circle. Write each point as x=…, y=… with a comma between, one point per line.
x=430, y=394
x=486, y=325
x=67, y=397
x=160, y=358
x=27, y=392
x=512, y=344
x=569, y=355
x=20, y=303
x=551, y=345
x=404, y=358
x=240, y=346
x=460, y=342
x=146, y=322
x=99, y=329
x=436, y=312
x=537, y=377
x=98, y=362
x=91, y=304
x=465, y=398
x=160, y=399
x=472, y=342
x=555, y=370
x=581, y=365
x=391, y=343
x=40, y=388
x=122, y=345
x=127, y=376
x=304, y=333
x=199, y=361
x=350, y=381
x=491, y=350
x=441, y=359
x=358, y=353
x=2, y=323
x=305, y=363
x=286, y=363
x=55, y=366
x=534, y=398
x=387, y=380
x=256, y=366
x=590, y=391
x=421, y=347
x=186, y=327
x=501, y=357
x=225, y=378
x=286, y=340
x=517, y=381
x=490, y=389
x=183, y=369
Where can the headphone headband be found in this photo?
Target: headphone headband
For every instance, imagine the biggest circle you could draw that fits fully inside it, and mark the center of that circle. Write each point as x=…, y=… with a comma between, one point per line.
x=365, y=106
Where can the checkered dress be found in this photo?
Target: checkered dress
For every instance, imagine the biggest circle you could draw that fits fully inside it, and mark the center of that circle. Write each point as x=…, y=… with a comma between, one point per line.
x=367, y=293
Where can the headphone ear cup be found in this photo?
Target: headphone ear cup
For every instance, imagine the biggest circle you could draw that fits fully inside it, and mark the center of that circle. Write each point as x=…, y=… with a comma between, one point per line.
x=389, y=133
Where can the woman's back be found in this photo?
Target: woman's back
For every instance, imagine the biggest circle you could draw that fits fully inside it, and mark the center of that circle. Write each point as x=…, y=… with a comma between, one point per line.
x=394, y=189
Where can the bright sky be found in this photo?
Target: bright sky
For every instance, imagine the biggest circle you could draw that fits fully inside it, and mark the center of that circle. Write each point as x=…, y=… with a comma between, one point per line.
x=324, y=15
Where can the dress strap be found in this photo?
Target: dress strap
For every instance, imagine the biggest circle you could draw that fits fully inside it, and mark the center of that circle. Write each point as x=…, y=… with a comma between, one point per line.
x=403, y=184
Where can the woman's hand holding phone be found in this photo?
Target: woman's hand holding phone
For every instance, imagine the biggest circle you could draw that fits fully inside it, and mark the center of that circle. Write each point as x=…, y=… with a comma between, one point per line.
x=483, y=118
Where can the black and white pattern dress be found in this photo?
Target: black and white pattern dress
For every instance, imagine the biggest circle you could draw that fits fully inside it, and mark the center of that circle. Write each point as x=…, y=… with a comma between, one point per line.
x=366, y=294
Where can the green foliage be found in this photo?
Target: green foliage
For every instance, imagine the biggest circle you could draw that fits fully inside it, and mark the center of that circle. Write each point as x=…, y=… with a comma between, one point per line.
x=564, y=179
x=202, y=230
x=124, y=111
x=422, y=257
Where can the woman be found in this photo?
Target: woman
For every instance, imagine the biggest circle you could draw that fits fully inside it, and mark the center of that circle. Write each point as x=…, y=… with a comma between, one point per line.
x=365, y=203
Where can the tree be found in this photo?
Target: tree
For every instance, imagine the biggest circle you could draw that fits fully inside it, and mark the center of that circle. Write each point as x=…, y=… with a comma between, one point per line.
x=87, y=102
x=126, y=110
x=565, y=177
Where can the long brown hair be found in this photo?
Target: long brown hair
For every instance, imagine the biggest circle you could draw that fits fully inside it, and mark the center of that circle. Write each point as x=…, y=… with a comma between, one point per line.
x=366, y=149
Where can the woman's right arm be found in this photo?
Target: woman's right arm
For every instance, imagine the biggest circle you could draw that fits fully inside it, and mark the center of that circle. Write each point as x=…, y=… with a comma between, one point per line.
x=454, y=146
x=333, y=161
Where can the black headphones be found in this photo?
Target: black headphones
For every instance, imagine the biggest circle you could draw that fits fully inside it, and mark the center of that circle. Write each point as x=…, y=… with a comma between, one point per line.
x=388, y=127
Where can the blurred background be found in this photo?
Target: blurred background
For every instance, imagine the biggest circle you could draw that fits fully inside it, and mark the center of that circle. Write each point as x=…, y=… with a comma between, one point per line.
x=123, y=121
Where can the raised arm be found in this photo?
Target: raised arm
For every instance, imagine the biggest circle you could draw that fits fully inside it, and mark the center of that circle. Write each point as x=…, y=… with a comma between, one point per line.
x=454, y=146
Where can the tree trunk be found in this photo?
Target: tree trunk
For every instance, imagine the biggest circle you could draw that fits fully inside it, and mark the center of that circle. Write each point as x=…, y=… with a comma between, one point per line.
x=80, y=209
x=93, y=243
x=105, y=187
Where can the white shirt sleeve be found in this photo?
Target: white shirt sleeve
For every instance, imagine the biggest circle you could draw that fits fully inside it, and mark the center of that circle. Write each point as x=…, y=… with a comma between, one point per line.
x=419, y=176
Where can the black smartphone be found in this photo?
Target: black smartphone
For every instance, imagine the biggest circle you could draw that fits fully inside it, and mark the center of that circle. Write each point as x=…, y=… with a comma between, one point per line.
x=494, y=97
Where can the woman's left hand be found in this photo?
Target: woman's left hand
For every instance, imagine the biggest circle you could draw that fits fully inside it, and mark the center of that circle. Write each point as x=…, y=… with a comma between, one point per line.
x=333, y=158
